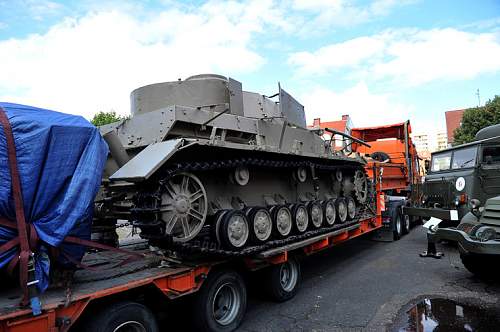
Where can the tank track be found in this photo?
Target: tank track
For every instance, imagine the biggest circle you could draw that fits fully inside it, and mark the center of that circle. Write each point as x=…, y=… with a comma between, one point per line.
x=206, y=245
x=212, y=248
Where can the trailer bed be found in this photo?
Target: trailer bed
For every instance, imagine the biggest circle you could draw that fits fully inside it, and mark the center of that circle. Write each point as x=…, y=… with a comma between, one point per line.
x=174, y=278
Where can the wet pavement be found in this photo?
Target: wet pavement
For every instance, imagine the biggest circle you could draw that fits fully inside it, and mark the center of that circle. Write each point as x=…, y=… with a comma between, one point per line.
x=438, y=314
x=366, y=285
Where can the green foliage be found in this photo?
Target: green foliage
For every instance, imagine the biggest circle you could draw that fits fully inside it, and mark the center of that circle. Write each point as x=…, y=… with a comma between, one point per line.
x=475, y=119
x=103, y=118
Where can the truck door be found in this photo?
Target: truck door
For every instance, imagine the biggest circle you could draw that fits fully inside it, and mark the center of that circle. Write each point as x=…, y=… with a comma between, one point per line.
x=489, y=171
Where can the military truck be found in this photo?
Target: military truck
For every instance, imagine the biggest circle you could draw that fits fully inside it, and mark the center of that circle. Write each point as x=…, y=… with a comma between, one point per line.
x=477, y=235
x=459, y=174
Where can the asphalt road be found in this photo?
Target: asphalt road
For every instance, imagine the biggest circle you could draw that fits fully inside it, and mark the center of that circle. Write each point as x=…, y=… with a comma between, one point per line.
x=368, y=285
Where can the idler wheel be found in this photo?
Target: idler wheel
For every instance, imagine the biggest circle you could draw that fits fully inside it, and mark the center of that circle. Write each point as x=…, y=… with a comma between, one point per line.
x=300, y=217
x=341, y=207
x=233, y=230
x=315, y=213
x=261, y=224
x=351, y=208
x=282, y=220
x=329, y=211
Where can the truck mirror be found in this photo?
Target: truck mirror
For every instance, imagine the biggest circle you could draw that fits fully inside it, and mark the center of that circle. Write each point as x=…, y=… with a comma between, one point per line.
x=427, y=165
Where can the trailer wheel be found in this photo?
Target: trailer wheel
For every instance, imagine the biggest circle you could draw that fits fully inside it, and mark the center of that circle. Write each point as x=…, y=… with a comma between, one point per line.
x=221, y=302
x=406, y=224
x=398, y=226
x=283, y=280
x=121, y=317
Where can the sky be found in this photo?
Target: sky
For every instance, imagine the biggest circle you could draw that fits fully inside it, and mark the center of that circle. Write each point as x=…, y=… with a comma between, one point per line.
x=380, y=61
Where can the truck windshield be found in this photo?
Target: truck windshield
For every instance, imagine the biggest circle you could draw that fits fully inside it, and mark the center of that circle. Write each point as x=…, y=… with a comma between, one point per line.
x=461, y=158
x=441, y=161
x=464, y=158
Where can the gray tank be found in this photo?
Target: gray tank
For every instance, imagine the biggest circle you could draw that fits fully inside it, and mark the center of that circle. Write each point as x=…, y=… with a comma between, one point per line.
x=202, y=159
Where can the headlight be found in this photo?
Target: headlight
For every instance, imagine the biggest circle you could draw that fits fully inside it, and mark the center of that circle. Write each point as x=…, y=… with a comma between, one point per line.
x=485, y=233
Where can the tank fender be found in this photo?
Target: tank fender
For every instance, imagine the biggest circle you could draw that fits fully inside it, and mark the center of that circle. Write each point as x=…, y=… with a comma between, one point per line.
x=146, y=162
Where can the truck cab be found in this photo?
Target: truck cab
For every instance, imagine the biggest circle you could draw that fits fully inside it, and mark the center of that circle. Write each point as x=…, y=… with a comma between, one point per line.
x=459, y=174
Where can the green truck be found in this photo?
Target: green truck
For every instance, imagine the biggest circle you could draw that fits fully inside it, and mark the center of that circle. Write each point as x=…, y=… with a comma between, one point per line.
x=477, y=237
x=460, y=179
x=459, y=174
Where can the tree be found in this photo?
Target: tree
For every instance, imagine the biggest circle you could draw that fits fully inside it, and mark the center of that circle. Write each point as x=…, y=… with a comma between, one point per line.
x=103, y=118
x=475, y=119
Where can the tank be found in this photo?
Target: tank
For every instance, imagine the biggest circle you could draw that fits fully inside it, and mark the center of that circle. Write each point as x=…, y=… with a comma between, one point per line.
x=201, y=159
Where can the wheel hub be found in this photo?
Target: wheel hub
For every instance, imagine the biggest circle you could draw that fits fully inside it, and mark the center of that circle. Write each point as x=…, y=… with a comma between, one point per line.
x=236, y=228
x=262, y=223
x=301, y=218
x=283, y=221
x=182, y=204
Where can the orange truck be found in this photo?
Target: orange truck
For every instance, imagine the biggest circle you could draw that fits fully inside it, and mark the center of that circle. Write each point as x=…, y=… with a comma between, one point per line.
x=391, y=154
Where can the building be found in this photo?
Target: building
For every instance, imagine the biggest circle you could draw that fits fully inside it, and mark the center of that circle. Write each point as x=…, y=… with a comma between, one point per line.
x=453, y=121
x=344, y=126
x=421, y=142
x=441, y=141
x=428, y=143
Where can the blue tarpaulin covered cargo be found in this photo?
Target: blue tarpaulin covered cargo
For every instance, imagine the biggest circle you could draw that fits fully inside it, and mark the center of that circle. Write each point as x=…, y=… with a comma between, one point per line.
x=60, y=159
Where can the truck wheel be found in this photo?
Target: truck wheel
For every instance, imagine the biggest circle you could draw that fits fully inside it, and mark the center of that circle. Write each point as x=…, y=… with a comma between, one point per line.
x=406, y=224
x=481, y=266
x=398, y=226
x=121, y=317
x=283, y=280
x=221, y=302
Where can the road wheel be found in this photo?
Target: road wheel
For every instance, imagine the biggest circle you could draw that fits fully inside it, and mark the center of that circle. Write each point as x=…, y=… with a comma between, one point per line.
x=261, y=224
x=233, y=230
x=406, y=224
x=482, y=266
x=122, y=317
x=283, y=280
x=341, y=207
x=398, y=226
x=221, y=302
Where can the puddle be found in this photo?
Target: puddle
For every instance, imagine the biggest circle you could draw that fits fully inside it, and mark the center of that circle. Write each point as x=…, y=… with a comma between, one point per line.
x=446, y=315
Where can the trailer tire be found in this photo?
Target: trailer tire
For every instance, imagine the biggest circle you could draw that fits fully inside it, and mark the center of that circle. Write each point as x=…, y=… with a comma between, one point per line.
x=123, y=316
x=398, y=226
x=222, y=288
x=283, y=280
x=406, y=223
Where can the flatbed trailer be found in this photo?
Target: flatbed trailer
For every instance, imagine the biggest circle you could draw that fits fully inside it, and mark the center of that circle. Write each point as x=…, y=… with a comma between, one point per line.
x=126, y=297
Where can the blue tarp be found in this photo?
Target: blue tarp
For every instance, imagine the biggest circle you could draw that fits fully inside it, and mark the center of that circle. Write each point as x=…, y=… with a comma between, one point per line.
x=60, y=160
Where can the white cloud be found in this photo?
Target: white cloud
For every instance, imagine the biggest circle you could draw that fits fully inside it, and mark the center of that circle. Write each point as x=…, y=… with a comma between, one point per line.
x=365, y=107
x=89, y=64
x=449, y=54
x=409, y=56
x=341, y=13
x=348, y=53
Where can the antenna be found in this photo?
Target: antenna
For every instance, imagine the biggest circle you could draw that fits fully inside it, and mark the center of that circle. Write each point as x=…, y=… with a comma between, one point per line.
x=478, y=98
